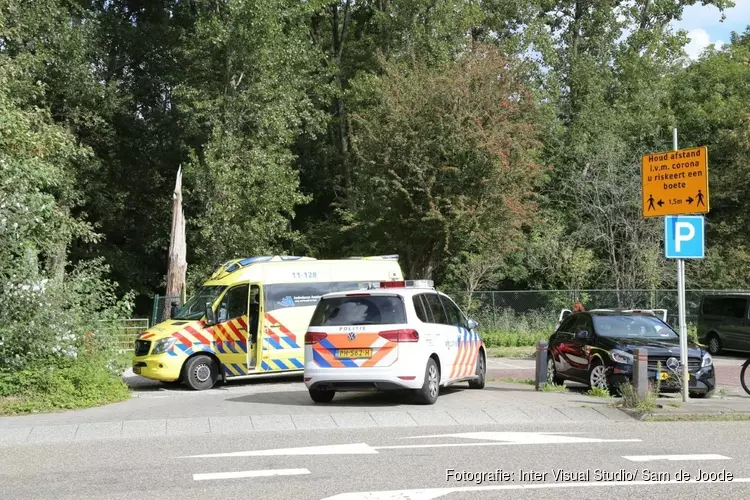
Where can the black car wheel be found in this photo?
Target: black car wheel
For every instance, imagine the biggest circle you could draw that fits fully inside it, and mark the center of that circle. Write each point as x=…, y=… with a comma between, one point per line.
x=598, y=376
x=552, y=376
x=714, y=344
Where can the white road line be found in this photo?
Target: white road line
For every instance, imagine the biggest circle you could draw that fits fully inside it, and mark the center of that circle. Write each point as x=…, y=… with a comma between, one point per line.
x=523, y=366
x=334, y=449
x=674, y=458
x=496, y=443
x=431, y=493
x=250, y=473
x=493, y=438
x=526, y=437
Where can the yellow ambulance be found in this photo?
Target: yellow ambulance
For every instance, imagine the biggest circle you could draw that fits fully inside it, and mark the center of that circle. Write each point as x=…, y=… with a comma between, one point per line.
x=250, y=318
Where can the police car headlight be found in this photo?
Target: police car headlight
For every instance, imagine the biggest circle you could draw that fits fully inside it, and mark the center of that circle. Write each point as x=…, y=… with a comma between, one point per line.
x=163, y=345
x=707, y=361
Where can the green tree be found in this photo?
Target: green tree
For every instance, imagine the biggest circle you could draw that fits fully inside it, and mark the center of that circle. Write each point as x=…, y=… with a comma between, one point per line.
x=446, y=160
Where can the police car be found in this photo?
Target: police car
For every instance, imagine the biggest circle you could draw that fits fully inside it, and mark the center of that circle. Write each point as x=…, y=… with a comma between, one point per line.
x=395, y=336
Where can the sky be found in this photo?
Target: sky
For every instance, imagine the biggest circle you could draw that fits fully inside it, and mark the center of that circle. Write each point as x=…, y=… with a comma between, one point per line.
x=704, y=26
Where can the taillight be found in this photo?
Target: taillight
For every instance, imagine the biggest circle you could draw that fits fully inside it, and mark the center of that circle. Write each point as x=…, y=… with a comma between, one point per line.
x=400, y=335
x=314, y=337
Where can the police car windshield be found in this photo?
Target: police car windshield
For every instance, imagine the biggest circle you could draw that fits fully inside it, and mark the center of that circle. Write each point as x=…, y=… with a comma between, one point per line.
x=370, y=310
x=195, y=307
x=645, y=327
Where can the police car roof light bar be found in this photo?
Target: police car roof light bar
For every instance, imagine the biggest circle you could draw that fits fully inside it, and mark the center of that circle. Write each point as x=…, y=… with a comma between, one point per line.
x=408, y=284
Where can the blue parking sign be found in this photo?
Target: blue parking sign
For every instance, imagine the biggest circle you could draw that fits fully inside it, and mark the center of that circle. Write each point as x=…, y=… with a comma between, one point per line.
x=684, y=237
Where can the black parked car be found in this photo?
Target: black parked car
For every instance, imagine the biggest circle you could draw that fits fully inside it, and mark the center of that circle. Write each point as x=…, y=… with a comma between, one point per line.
x=596, y=348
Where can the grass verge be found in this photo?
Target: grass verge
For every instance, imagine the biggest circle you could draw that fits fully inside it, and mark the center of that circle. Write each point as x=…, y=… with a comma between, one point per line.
x=512, y=352
x=553, y=388
x=598, y=392
x=513, y=380
x=81, y=384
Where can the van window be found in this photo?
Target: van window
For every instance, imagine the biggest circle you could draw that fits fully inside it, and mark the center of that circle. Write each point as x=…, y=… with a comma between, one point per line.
x=285, y=295
x=730, y=307
x=370, y=310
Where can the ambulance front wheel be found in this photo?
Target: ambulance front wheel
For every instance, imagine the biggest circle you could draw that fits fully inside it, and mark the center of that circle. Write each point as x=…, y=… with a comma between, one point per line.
x=201, y=372
x=324, y=396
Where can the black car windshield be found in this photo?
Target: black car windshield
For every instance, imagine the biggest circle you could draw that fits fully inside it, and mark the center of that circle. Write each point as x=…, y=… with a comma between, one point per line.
x=643, y=327
x=195, y=307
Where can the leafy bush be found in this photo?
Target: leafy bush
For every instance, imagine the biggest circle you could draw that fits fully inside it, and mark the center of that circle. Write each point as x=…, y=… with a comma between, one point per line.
x=57, y=324
x=512, y=339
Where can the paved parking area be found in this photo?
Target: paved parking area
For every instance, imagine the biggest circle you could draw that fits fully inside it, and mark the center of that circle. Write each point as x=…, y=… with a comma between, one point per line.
x=275, y=403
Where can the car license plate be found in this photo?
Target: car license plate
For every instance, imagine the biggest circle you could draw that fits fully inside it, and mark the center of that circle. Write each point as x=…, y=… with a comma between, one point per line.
x=137, y=370
x=664, y=375
x=354, y=353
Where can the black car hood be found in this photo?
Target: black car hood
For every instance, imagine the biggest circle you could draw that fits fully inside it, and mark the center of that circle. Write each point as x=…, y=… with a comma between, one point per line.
x=655, y=347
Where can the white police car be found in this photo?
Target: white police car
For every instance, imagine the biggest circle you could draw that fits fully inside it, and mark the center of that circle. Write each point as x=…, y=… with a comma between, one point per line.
x=402, y=335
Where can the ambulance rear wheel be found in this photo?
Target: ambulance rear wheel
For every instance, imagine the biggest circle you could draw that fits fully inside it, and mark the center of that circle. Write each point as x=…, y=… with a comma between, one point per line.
x=201, y=372
x=321, y=396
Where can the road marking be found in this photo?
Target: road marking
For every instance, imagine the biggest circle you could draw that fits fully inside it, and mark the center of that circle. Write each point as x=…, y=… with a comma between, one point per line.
x=526, y=438
x=334, y=449
x=249, y=473
x=650, y=458
x=431, y=493
x=494, y=438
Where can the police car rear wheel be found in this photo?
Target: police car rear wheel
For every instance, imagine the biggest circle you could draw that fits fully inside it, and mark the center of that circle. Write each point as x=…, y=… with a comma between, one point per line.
x=481, y=373
x=430, y=390
x=201, y=373
x=322, y=396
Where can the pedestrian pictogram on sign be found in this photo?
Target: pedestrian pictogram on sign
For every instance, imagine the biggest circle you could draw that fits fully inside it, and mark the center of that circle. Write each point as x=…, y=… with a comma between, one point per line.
x=675, y=182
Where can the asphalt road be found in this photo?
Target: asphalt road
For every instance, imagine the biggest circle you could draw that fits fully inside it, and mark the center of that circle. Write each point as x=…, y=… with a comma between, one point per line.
x=376, y=460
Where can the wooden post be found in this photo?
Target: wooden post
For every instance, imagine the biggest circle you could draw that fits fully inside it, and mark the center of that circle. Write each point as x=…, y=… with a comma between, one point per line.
x=177, y=250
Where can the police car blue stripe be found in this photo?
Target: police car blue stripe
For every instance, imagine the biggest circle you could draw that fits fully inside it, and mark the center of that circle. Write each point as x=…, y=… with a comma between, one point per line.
x=347, y=362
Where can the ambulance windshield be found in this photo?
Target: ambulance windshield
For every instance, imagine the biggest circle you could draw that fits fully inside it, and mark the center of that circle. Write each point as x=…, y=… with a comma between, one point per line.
x=195, y=307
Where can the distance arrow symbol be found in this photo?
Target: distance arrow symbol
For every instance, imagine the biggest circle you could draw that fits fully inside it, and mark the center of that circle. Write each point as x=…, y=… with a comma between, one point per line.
x=660, y=203
x=690, y=200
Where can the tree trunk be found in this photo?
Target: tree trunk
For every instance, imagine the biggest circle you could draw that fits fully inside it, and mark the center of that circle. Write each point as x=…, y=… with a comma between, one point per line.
x=177, y=251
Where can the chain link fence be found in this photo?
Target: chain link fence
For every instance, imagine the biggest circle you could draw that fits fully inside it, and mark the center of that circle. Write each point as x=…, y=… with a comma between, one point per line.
x=538, y=310
x=161, y=308
x=129, y=331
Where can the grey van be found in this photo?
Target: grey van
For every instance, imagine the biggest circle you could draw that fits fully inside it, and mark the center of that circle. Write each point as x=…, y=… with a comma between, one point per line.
x=724, y=323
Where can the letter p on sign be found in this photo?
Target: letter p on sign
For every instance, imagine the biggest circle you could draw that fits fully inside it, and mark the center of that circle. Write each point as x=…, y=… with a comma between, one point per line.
x=685, y=232
x=684, y=237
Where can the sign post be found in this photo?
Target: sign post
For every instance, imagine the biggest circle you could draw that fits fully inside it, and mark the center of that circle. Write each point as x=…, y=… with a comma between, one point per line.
x=676, y=184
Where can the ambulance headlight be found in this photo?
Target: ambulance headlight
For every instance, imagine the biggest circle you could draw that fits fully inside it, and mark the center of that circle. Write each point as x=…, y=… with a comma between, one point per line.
x=163, y=345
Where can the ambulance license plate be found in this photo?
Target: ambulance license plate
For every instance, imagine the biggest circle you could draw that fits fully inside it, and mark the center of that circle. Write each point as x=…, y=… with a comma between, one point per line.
x=354, y=353
x=664, y=375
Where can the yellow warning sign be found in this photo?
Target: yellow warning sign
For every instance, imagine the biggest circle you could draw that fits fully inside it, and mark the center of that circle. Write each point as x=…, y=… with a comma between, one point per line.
x=675, y=182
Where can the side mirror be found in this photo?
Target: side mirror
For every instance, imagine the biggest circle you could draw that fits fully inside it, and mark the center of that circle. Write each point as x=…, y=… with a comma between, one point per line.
x=210, y=316
x=583, y=335
x=472, y=324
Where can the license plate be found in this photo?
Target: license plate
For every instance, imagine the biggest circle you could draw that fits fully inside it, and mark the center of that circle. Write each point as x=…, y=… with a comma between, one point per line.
x=137, y=370
x=354, y=353
x=664, y=375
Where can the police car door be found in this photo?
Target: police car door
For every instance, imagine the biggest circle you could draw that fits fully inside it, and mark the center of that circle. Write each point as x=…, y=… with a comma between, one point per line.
x=446, y=340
